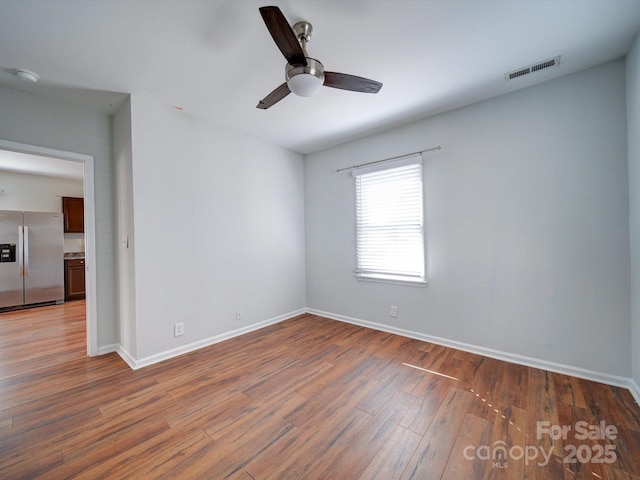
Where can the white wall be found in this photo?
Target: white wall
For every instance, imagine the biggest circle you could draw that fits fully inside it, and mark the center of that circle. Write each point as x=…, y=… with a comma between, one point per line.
x=633, y=135
x=33, y=120
x=36, y=193
x=122, y=158
x=527, y=225
x=219, y=224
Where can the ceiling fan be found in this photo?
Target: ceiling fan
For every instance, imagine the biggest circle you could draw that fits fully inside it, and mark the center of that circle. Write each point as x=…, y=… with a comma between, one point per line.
x=305, y=75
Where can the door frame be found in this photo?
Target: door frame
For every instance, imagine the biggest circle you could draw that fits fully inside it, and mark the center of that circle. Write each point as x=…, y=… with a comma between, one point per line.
x=89, y=227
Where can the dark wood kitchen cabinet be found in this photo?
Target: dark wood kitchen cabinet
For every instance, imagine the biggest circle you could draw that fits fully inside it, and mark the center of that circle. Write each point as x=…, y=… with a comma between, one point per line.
x=73, y=212
x=74, y=279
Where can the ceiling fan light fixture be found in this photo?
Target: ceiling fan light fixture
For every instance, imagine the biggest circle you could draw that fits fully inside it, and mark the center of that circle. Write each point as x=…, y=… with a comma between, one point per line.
x=305, y=80
x=304, y=84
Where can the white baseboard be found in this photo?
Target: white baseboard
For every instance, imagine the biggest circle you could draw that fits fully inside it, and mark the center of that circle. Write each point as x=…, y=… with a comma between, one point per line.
x=127, y=357
x=135, y=364
x=600, y=377
x=108, y=349
x=635, y=390
x=497, y=354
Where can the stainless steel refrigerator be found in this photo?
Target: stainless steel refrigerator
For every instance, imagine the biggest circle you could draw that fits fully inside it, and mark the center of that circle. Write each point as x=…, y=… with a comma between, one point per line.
x=31, y=258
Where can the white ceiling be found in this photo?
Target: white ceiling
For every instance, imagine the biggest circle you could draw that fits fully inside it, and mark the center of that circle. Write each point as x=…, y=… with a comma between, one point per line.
x=38, y=165
x=215, y=59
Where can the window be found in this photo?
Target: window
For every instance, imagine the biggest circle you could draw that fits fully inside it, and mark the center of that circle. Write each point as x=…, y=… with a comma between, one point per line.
x=389, y=222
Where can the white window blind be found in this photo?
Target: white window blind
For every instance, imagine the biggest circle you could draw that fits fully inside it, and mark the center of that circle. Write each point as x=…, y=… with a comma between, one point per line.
x=389, y=222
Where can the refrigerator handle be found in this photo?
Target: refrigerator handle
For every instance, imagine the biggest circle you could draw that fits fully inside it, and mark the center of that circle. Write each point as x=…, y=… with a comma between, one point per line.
x=26, y=251
x=20, y=256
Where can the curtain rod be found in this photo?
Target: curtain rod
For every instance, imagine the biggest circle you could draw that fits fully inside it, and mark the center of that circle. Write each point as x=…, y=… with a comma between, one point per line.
x=387, y=159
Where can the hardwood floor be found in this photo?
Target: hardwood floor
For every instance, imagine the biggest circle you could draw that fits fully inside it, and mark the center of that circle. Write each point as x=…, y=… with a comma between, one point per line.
x=309, y=398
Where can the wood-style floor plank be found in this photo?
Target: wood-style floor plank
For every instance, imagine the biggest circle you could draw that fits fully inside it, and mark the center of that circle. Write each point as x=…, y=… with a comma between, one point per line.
x=308, y=398
x=352, y=462
x=473, y=431
x=391, y=460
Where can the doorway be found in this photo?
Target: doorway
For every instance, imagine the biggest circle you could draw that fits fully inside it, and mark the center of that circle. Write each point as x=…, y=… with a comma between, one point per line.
x=87, y=162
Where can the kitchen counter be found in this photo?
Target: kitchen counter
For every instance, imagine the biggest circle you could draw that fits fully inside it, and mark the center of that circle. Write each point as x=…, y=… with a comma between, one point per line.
x=74, y=255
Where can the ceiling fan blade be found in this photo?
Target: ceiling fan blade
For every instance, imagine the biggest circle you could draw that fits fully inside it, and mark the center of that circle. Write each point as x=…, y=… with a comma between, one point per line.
x=351, y=82
x=283, y=35
x=274, y=97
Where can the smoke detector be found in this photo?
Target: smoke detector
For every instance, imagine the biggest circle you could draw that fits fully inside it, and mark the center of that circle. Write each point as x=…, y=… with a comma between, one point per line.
x=27, y=76
x=536, y=67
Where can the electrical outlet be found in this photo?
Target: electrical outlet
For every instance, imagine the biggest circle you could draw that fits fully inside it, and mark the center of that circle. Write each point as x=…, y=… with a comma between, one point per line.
x=178, y=329
x=239, y=314
x=393, y=311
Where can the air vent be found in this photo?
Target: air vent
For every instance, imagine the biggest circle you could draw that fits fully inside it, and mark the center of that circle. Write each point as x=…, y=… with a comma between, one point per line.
x=536, y=67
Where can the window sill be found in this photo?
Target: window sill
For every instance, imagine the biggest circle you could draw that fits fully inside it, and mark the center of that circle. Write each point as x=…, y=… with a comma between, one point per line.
x=393, y=281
